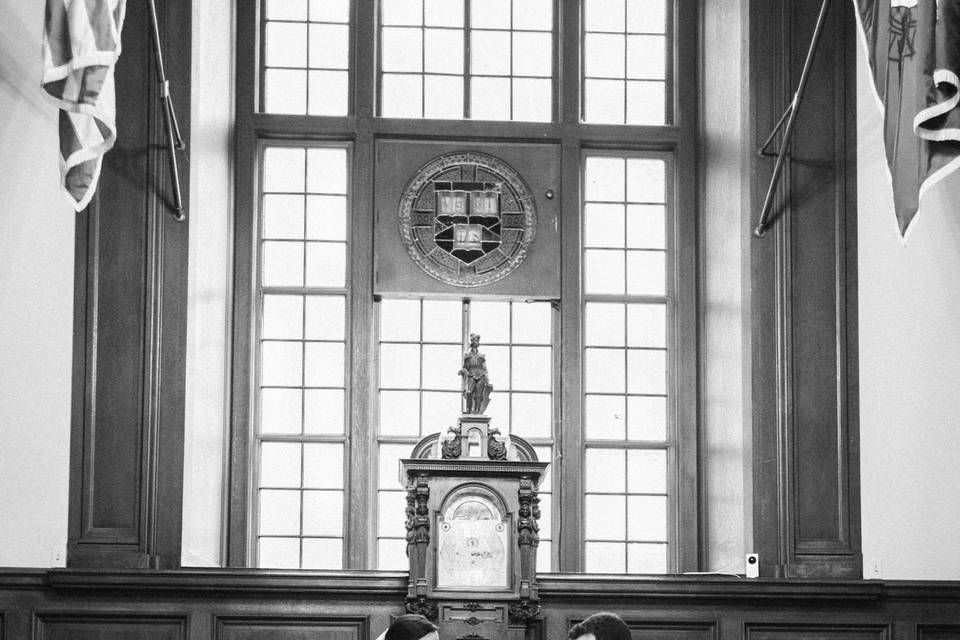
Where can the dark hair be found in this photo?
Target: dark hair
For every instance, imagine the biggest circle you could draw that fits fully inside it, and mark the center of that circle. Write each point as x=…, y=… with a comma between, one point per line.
x=409, y=626
x=603, y=625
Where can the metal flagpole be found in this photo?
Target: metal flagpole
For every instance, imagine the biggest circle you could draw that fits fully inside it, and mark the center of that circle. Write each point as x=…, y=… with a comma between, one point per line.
x=790, y=116
x=170, y=125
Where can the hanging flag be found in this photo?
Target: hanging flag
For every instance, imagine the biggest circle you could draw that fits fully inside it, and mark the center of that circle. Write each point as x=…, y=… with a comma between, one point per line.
x=81, y=44
x=913, y=47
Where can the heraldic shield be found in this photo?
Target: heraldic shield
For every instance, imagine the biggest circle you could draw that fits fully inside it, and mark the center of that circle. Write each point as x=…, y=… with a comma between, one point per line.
x=467, y=219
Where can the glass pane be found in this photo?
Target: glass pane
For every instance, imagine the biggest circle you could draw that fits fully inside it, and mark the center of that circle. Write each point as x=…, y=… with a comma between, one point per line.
x=323, y=364
x=286, y=10
x=323, y=465
x=283, y=169
x=646, y=57
x=647, y=325
x=646, y=180
x=402, y=96
x=604, y=101
x=647, y=518
x=282, y=216
x=646, y=418
x=532, y=323
x=323, y=411
x=646, y=371
x=326, y=264
x=329, y=46
x=327, y=170
x=400, y=320
x=604, y=179
x=325, y=317
x=443, y=13
x=443, y=97
x=544, y=556
x=330, y=10
x=279, y=512
x=604, y=324
x=532, y=368
x=490, y=53
x=490, y=14
x=491, y=320
x=603, y=271
x=392, y=555
x=646, y=558
x=605, y=557
x=391, y=513
x=280, y=411
x=646, y=103
x=604, y=55
x=544, y=454
x=649, y=16
x=531, y=100
x=647, y=471
x=498, y=364
x=604, y=517
x=389, y=465
x=281, y=364
x=323, y=513
x=490, y=99
x=440, y=366
x=285, y=91
x=605, y=471
x=278, y=553
x=400, y=366
x=532, y=415
x=399, y=413
x=441, y=321
x=440, y=410
x=646, y=226
x=279, y=464
x=603, y=225
x=604, y=371
x=603, y=15
x=443, y=50
x=286, y=44
x=533, y=14
x=402, y=12
x=322, y=553
x=282, y=264
x=328, y=93
x=646, y=273
x=605, y=417
x=402, y=49
x=545, y=516
x=282, y=317
x=532, y=54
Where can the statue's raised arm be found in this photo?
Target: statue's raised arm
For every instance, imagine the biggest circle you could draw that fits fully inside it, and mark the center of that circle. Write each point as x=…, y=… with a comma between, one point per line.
x=476, y=384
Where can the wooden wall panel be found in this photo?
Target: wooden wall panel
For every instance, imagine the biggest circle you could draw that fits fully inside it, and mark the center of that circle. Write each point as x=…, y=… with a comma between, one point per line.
x=80, y=626
x=939, y=631
x=130, y=325
x=815, y=632
x=290, y=628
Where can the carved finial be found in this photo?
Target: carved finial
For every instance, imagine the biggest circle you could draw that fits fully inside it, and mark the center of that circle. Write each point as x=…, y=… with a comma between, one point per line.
x=476, y=384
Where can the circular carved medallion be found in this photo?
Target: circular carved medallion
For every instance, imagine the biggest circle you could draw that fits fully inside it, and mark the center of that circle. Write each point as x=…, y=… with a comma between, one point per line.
x=467, y=219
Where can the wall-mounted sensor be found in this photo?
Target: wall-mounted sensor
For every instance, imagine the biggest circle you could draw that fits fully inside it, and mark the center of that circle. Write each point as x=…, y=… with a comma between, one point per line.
x=752, y=565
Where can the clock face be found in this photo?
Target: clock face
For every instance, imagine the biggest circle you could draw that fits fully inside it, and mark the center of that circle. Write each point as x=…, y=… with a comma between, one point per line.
x=472, y=545
x=467, y=219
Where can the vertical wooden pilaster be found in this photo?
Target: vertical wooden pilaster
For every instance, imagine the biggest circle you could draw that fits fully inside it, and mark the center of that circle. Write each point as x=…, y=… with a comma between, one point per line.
x=126, y=456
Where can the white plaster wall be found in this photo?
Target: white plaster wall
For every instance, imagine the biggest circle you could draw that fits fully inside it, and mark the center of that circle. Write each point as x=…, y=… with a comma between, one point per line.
x=36, y=305
x=909, y=369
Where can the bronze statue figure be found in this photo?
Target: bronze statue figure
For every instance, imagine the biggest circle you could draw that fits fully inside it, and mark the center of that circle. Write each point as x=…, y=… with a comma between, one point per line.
x=476, y=385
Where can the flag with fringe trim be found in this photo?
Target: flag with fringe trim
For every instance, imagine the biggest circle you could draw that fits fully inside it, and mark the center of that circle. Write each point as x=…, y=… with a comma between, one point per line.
x=81, y=44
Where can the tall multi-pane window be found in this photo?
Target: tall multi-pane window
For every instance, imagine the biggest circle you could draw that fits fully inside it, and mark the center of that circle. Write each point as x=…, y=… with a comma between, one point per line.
x=336, y=380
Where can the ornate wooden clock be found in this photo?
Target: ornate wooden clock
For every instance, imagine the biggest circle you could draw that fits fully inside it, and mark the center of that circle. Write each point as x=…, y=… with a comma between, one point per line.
x=472, y=531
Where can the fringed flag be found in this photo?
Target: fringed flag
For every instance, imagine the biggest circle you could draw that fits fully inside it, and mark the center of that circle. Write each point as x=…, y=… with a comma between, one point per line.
x=81, y=44
x=913, y=47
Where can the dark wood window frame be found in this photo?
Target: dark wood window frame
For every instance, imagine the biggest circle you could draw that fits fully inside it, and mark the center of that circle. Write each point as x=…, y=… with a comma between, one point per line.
x=361, y=129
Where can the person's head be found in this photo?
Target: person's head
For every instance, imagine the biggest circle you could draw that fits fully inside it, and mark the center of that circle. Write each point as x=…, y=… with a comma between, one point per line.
x=600, y=626
x=411, y=627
